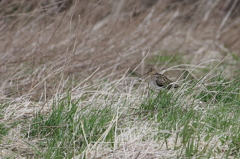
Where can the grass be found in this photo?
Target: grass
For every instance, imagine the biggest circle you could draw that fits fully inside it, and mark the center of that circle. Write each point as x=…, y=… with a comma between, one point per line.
x=213, y=112
x=4, y=128
x=54, y=105
x=194, y=121
x=165, y=57
x=68, y=130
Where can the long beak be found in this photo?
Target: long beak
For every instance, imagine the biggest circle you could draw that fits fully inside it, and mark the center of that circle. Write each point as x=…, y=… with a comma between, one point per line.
x=144, y=76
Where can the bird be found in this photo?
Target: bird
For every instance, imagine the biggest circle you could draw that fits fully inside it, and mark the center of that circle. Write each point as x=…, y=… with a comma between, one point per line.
x=158, y=81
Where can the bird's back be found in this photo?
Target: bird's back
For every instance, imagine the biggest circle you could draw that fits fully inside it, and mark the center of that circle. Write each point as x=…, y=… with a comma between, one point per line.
x=162, y=80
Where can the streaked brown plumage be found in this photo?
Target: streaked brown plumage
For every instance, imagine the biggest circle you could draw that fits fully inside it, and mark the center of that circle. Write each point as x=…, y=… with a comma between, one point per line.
x=158, y=81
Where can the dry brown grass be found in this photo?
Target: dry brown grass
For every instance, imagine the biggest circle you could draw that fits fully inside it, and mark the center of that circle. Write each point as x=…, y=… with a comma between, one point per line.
x=48, y=47
x=42, y=41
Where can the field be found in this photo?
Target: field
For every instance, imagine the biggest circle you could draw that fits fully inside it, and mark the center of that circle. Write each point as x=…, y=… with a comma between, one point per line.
x=70, y=83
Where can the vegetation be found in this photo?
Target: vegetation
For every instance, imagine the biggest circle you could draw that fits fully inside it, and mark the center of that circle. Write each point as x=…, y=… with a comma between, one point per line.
x=70, y=87
x=197, y=120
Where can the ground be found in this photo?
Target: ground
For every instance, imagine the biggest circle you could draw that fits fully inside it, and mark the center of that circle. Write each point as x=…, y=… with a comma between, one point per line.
x=97, y=49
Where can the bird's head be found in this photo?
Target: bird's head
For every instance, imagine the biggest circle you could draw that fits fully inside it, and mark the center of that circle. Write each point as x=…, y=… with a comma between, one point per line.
x=150, y=72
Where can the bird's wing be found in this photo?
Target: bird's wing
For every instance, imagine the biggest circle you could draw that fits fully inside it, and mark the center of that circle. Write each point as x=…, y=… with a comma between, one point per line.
x=162, y=80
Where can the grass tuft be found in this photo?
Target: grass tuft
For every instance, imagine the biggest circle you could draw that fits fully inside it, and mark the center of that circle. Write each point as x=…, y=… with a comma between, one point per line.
x=122, y=117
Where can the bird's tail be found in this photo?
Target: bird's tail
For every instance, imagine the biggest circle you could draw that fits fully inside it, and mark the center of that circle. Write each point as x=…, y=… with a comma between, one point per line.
x=172, y=85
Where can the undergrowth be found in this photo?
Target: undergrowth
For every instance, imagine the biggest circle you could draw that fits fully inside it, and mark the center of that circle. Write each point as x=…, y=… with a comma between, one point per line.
x=191, y=122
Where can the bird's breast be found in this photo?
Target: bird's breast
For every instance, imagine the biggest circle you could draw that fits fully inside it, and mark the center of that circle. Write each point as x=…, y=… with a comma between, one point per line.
x=153, y=83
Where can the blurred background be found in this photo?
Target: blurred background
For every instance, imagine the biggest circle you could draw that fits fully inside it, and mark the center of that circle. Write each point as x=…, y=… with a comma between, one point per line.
x=48, y=43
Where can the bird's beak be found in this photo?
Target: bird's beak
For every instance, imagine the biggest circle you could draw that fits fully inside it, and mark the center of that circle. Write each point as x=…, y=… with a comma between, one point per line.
x=144, y=76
